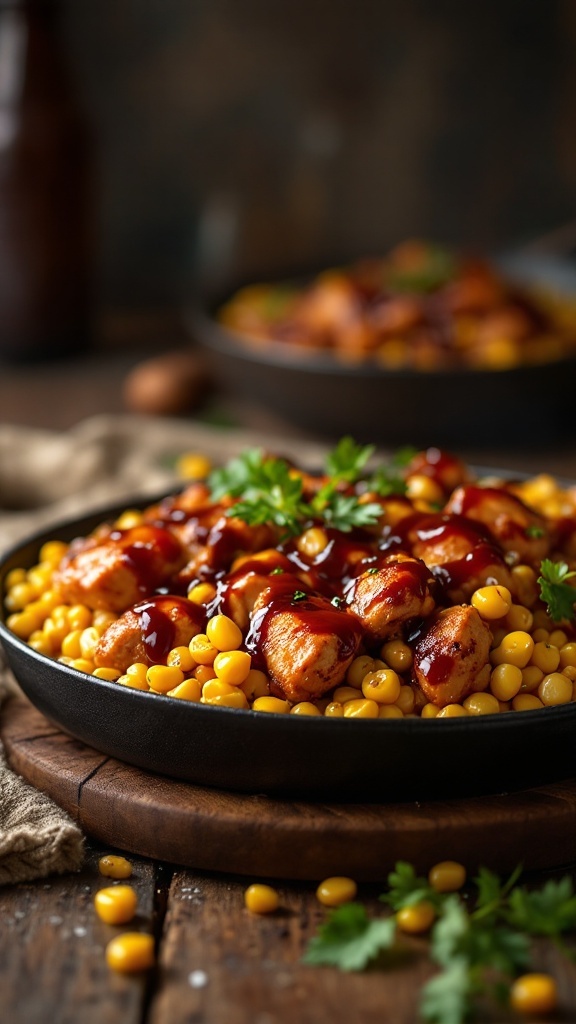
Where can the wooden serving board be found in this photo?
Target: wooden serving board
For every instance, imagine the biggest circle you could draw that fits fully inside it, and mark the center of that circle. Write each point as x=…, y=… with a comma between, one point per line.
x=174, y=821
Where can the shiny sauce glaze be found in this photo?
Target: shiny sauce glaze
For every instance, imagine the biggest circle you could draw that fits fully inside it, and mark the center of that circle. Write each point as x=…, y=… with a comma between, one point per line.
x=345, y=556
x=157, y=621
x=401, y=582
x=435, y=529
x=316, y=615
x=151, y=553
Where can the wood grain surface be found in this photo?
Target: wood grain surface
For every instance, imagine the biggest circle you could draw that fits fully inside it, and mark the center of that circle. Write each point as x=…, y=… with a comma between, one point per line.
x=213, y=830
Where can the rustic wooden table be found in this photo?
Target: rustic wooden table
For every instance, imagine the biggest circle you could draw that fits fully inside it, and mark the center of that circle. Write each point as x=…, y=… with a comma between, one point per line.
x=216, y=963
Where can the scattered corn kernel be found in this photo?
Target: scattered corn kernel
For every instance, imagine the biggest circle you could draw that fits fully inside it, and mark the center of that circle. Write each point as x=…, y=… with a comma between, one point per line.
x=534, y=994
x=130, y=952
x=114, y=866
x=447, y=876
x=116, y=904
x=337, y=889
x=417, y=918
x=261, y=899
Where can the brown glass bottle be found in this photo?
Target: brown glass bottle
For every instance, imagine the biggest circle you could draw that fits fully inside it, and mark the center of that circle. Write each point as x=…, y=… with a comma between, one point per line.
x=44, y=190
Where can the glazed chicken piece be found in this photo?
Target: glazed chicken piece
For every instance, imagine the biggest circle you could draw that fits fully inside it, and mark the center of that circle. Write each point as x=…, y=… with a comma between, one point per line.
x=240, y=589
x=450, y=654
x=149, y=631
x=516, y=527
x=212, y=537
x=303, y=642
x=461, y=553
x=446, y=470
x=386, y=597
x=117, y=568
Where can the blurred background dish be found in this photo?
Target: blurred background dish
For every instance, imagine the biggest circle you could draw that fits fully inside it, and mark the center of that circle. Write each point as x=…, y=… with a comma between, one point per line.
x=418, y=345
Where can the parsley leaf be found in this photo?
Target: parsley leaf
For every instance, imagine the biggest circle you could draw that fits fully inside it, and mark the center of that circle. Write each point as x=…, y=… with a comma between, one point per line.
x=447, y=997
x=344, y=511
x=558, y=595
x=550, y=910
x=349, y=939
x=387, y=481
x=406, y=888
x=346, y=462
x=239, y=473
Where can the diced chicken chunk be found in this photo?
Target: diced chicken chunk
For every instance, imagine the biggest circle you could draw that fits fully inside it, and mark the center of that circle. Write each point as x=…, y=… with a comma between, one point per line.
x=305, y=643
x=385, y=598
x=516, y=527
x=148, y=632
x=114, y=572
x=450, y=654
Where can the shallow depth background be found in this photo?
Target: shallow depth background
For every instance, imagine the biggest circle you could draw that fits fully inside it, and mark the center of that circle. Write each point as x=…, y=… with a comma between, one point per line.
x=236, y=134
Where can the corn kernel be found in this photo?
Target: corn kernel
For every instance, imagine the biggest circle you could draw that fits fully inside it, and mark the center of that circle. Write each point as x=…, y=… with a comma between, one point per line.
x=130, y=952
x=417, y=918
x=429, y=711
x=256, y=684
x=532, y=994
x=452, y=711
x=305, y=707
x=162, y=678
x=83, y=665
x=130, y=518
x=261, y=899
x=110, y=675
x=558, y=637
x=275, y=705
x=189, y=689
x=180, y=657
x=505, y=681
x=526, y=702
x=193, y=466
x=236, y=699
x=202, y=593
x=114, y=867
x=397, y=655
x=568, y=654
x=554, y=689
x=423, y=488
x=203, y=673
x=492, y=602
x=357, y=669
x=531, y=678
x=481, y=704
x=232, y=666
x=334, y=709
x=336, y=890
x=546, y=657
x=138, y=670
x=390, y=711
x=447, y=876
x=116, y=904
x=405, y=700
x=514, y=649
x=359, y=708
x=202, y=649
x=519, y=617
x=89, y=639
x=312, y=542
x=223, y=633
x=383, y=686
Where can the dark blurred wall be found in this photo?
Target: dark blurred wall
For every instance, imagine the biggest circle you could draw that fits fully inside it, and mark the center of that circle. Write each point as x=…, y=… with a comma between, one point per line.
x=240, y=134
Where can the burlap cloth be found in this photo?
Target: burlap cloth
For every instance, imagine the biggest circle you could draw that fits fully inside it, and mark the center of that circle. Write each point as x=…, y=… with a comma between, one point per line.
x=47, y=476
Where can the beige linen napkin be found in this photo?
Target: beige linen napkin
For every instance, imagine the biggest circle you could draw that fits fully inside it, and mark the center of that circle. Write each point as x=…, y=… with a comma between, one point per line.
x=46, y=476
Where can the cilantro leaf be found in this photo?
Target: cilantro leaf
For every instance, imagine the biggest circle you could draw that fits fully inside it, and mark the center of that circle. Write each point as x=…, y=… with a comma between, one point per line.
x=558, y=595
x=346, y=462
x=406, y=888
x=447, y=997
x=349, y=939
x=387, y=481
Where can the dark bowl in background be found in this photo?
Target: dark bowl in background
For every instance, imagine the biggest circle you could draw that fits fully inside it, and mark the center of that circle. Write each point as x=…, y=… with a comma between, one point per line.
x=286, y=755
x=526, y=405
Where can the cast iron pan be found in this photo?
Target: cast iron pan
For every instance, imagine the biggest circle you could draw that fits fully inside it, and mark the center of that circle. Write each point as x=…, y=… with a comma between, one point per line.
x=526, y=405
x=287, y=755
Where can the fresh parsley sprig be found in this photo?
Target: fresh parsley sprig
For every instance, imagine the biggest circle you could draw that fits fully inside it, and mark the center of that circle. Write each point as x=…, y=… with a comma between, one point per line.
x=349, y=939
x=480, y=944
x=558, y=595
x=269, y=490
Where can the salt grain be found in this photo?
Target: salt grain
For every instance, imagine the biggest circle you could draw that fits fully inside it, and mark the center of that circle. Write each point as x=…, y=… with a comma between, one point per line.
x=198, y=979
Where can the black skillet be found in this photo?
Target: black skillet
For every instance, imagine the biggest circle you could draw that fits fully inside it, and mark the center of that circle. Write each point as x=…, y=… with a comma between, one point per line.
x=310, y=758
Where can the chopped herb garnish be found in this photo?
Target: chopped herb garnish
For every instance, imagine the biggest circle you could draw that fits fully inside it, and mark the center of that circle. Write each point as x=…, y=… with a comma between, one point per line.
x=558, y=595
x=299, y=595
x=534, y=531
x=277, y=571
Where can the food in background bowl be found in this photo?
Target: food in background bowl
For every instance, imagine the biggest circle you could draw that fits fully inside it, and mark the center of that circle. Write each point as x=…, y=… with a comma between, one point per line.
x=421, y=307
x=409, y=588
